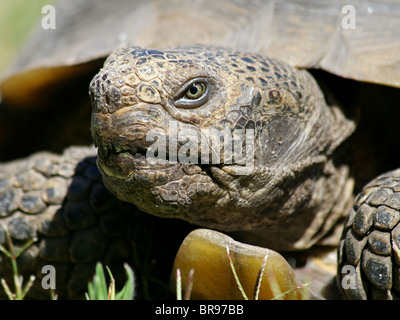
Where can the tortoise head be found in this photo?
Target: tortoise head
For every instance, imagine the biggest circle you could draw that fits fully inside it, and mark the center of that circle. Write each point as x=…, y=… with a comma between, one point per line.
x=212, y=136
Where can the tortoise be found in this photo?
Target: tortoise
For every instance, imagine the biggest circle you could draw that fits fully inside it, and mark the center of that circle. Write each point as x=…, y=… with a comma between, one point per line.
x=236, y=65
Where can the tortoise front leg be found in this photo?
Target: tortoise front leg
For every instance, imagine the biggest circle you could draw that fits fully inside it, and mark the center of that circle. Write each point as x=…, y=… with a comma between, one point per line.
x=369, y=255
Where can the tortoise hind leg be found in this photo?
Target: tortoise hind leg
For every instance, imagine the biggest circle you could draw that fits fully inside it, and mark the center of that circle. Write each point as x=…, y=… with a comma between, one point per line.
x=369, y=255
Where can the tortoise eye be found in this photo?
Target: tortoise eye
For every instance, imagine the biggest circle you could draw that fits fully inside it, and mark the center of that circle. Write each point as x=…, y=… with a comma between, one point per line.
x=196, y=91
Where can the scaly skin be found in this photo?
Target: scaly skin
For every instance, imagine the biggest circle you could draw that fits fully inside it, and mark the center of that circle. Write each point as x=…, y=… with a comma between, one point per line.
x=61, y=203
x=369, y=255
x=295, y=193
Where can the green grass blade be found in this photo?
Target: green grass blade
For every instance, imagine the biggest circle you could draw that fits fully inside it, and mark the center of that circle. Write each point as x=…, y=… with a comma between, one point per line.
x=178, y=285
x=240, y=287
x=189, y=285
x=100, y=283
x=7, y=290
x=283, y=294
x=259, y=277
x=98, y=290
x=6, y=252
x=27, y=286
x=275, y=287
x=26, y=245
x=128, y=291
x=111, y=287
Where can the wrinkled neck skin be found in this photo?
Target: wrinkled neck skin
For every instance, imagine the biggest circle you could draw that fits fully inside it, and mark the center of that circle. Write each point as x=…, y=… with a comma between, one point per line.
x=156, y=148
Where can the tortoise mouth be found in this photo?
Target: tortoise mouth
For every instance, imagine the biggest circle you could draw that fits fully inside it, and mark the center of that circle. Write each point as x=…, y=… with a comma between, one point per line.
x=123, y=163
x=140, y=163
x=133, y=165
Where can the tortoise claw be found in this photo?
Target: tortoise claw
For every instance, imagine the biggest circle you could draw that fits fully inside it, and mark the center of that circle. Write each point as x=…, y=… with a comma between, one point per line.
x=212, y=255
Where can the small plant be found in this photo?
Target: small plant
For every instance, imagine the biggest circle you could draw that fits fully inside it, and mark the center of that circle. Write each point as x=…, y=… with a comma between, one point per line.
x=97, y=288
x=276, y=290
x=20, y=289
x=189, y=285
x=279, y=295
